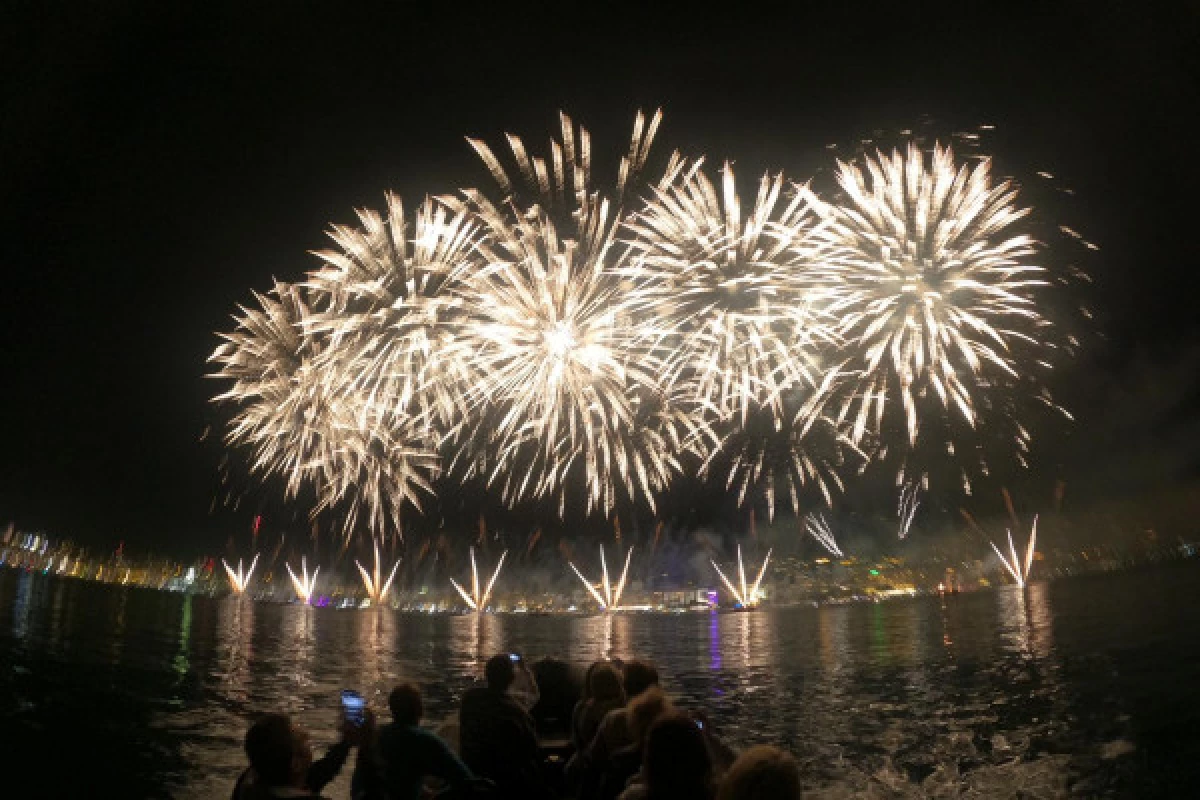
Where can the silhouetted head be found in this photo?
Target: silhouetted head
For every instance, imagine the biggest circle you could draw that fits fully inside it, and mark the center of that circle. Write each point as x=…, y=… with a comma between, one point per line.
x=405, y=704
x=604, y=684
x=499, y=672
x=639, y=676
x=762, y=773
x=644, y=710
x=675, y=760
x=279, y=751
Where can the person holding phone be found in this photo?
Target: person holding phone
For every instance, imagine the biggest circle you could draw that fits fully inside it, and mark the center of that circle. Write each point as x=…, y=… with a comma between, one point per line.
x=281, y=759
x=497, y=738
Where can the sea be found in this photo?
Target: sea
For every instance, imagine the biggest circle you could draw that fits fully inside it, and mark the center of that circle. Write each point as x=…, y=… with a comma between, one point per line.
x=1082, y=687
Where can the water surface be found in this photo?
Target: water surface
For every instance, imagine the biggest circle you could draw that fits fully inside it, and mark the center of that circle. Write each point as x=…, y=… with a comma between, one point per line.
x=1085, y=687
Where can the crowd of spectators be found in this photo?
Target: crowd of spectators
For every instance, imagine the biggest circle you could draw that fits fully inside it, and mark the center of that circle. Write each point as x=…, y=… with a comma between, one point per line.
x=625, y=739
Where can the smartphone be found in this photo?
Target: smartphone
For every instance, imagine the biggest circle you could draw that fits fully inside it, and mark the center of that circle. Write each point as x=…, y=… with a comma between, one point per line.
x=699, y=723
x=354, y=707
x=513, y=657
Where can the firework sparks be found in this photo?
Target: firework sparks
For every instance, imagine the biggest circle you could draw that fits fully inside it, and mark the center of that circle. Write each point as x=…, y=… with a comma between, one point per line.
x=579, y=345
x=722, y=293
x=747, y=597
x=477, y=600
x=819, y=529
x=558, y=379
x=1019, y=569
x=303, y=426
x=906, y=510
x=305, y=584
x=239, y=580
x=931, y=284
x=377, y=588
x=611, y=599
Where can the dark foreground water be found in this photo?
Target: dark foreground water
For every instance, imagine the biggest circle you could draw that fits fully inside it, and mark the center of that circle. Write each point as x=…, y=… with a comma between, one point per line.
x=1083, y=687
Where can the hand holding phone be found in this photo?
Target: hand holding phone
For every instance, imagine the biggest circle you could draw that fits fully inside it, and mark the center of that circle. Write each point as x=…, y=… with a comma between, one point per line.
x=354, y=708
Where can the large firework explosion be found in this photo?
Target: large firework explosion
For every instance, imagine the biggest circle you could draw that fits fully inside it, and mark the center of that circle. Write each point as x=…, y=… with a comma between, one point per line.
x=580, y=346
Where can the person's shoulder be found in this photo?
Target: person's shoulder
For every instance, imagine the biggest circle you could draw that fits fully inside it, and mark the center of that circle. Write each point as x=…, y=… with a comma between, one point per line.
x=614, y=717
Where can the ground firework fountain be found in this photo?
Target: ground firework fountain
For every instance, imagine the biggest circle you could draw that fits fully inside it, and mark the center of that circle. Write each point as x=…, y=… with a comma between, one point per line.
x=611, y=600
x=477, y=600
x=237, y=579
x=745, y=598
x=377, y=588
x=304, y=585
x=1018, y=569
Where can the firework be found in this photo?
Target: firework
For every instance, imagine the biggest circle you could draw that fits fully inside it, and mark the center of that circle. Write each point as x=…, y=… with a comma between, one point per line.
x=932, y=285
x=376, y=587
x=392, y=310
x=579, y=345
x=559, y=384
x=819, y=529
x=477, y=600
x=723, y=294
x=907, y=507
x=1017, y=568
x=313, y=430
x=611, y=599
x=305, y=584
x=239, y=580
x=746, y=598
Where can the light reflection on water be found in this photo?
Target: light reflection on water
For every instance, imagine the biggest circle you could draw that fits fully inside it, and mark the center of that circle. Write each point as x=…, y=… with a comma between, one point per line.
x=1003, y=688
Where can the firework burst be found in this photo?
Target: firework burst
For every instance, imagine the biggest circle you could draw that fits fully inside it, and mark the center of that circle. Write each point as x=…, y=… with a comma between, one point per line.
x=932, y=284
x=720, y=292
x=560, y=386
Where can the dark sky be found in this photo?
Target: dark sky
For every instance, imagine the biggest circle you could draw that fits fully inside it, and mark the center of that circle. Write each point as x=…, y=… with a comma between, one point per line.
x=156, y=163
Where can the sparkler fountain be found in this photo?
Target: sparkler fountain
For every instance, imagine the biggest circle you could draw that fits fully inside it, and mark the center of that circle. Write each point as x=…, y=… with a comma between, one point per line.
x=745, y=599
x=377, y=588
x=611, y=600
x=476, y=600
x=305, y=585
x=239, y=580
x=1018, y=569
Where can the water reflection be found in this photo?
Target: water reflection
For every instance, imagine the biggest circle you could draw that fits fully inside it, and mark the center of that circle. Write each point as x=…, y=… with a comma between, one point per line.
x=235, y=647
x=298, y=644
x=21, y=605
x=376, y=633
x=863, y=694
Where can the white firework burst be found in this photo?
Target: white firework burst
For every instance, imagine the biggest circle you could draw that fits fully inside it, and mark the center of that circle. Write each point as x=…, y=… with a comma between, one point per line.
x=932, y=284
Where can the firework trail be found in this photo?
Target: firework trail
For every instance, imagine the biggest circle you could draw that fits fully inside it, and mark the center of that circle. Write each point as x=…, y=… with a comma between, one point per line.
x=477, y=599
x=909, y=502
x=819, y=529
x=377, y=588
x=305, y=584
x=239, y=580
x=932, y=283
x=611, y=599
x=747, y=597
x=1019, y=569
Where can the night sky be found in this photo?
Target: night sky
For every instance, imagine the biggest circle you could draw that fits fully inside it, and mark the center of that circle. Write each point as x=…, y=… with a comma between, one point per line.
x=157, y=163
